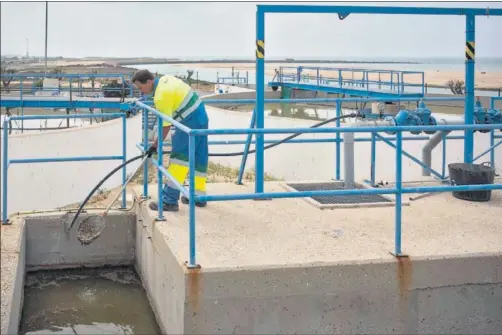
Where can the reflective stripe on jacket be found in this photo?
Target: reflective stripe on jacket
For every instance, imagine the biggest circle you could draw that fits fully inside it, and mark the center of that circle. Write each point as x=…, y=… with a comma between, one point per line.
x=174, y=98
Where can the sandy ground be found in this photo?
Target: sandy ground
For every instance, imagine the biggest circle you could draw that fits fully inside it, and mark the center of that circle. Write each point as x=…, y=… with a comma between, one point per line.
x=483, y=79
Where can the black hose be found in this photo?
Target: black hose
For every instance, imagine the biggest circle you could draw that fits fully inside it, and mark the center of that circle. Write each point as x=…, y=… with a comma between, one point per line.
x=228, y=154
x=81, y=207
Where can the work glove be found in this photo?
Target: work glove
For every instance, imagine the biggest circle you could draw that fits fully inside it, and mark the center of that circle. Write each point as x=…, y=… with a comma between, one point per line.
x=150, y=151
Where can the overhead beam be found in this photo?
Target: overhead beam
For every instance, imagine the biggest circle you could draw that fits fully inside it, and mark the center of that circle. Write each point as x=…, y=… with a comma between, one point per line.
x=378, y=10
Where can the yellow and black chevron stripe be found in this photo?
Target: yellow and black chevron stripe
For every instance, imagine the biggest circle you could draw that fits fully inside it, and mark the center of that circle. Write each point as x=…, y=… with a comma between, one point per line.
x=260, y=49
x=470, y=50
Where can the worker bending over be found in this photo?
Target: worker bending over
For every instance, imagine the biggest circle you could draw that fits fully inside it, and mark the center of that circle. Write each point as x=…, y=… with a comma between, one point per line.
x=174, y=98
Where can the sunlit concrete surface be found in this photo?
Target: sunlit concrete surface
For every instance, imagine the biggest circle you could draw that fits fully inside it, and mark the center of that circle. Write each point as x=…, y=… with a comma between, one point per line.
x=285, y=266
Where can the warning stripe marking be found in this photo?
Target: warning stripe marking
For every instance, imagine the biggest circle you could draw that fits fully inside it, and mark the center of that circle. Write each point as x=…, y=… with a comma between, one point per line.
x=470, y=51
x=260, y=49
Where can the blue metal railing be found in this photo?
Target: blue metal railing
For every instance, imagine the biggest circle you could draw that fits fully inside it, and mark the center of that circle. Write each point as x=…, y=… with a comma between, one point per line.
x=398, y=190
x=22, y=78
x=6, y=161
x=365, y=79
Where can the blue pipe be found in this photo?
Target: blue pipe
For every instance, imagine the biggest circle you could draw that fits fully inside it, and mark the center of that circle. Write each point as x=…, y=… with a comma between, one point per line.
x=246, y=149
x=236, y=131
x=160, y=163
x=338, y=144
x=381, y=191
x=64, y=116
x=303, y=194
x=398, y=205
x=124, y=158
x=5, y=168
x=324, y=100
x=64, y=159
x=191, y=197
x=469, y=90
x=145, y=147
x=492, y=145
x=373, y=159
x=260, y=102
x=328, y=140
x=460, y=188
x=163, y=117
x=443, y=170
x=377, y=10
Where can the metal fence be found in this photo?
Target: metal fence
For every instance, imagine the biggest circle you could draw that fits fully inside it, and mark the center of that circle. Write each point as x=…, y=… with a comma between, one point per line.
x=398, y=190
x=7, y=162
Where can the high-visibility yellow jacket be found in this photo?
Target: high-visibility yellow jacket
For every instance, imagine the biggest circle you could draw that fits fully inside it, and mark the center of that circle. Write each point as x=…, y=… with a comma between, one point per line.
x=174, y=98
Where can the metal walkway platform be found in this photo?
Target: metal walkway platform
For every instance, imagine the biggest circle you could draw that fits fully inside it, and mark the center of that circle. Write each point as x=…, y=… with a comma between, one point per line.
x=353, y=82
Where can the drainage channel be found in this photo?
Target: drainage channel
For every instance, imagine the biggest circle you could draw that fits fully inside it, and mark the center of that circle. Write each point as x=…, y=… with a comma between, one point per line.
x=86, y=301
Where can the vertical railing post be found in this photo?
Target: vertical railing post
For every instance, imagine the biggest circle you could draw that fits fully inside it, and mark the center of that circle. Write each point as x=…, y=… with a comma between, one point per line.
x=191, y=194
x=5, y=167
x=160, y=162
x=492, y=146
x=424, y=91
x=443, y=170
x=124, y=158
x=399, y=161
x=145, y=148
x=246, y=149
x=338, y=144
x=469, y=86
x=260, y=99
x=373, y=159
x=21, y=98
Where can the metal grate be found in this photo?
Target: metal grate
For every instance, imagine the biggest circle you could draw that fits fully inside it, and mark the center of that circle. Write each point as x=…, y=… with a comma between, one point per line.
x=338, y=199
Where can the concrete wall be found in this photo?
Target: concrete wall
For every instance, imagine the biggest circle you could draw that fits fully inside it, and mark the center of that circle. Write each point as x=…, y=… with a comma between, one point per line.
x=424, y=296
x=13, y=255
x=457, y=294
x=161, y=274
x=50, y=185
x=49, y=245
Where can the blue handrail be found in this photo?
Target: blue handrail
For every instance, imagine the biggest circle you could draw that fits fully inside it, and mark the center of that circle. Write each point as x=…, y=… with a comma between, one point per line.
x=7, y=161
x=398, y=190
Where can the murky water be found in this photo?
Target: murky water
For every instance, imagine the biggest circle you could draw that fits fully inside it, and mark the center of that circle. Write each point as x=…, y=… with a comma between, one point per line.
x=87, y=301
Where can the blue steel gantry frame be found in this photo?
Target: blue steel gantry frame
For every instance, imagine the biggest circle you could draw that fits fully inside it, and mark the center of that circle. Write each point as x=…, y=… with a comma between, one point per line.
x=343, y=12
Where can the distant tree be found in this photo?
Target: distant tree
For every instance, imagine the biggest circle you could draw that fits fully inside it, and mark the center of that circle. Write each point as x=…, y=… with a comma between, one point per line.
x=93, y=79
x=7, y=76
x=57, y=71
x=189, y=77
x=457, y=86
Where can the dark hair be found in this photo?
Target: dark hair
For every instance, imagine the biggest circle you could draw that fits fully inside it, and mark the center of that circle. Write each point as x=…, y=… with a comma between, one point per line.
x=142, y=76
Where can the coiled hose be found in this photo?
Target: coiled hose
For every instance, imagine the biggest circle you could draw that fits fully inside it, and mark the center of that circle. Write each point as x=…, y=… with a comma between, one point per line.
x=223, y=154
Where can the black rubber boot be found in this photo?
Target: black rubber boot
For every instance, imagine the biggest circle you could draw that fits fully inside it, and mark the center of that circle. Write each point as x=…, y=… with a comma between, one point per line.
x=166, y=207
x=185, y=201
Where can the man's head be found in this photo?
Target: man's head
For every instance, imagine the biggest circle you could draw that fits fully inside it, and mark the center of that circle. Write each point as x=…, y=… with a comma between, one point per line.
x=143, y=79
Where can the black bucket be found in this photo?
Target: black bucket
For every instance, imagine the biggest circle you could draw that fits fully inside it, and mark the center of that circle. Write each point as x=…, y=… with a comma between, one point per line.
x=471, y=174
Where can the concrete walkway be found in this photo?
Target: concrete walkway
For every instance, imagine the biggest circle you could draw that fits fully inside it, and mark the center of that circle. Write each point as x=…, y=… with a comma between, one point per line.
x=284, y=232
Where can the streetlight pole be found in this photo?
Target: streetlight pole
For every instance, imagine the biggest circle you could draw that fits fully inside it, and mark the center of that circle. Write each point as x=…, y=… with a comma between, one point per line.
x=46, y=31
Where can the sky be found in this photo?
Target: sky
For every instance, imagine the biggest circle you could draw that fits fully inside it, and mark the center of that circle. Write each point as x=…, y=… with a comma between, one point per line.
x=227, y=30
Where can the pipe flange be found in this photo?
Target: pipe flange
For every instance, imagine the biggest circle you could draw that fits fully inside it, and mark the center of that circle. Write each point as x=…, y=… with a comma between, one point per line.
x=432, y=122
x=392, y=122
